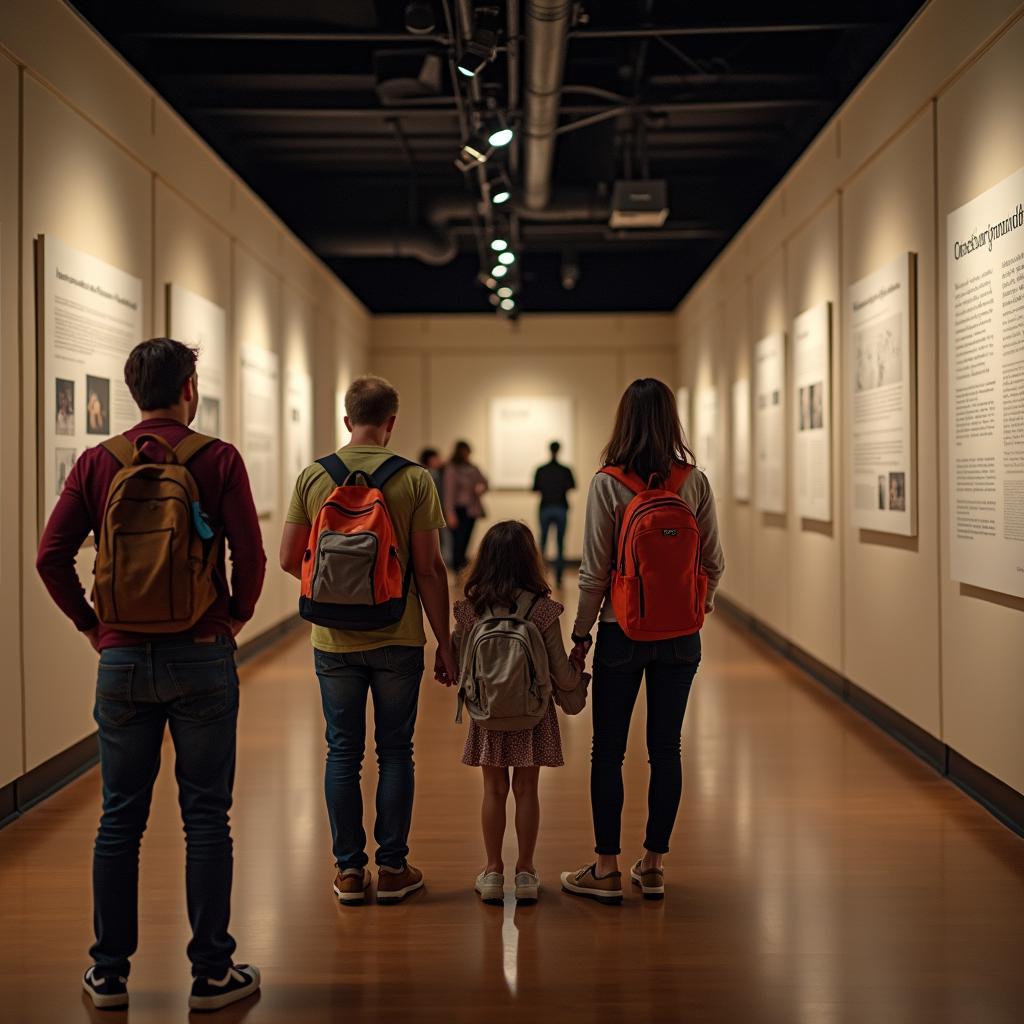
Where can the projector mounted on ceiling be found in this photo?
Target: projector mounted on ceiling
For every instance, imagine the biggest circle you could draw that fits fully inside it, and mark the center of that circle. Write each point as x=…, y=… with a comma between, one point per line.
x=639, y=204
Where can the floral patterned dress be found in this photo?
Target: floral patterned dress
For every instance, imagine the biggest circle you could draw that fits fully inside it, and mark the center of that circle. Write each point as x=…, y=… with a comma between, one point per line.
x=539, y=747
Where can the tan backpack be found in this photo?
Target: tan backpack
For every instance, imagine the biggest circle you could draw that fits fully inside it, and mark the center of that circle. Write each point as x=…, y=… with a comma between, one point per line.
x=504, y=675
x=155, y=553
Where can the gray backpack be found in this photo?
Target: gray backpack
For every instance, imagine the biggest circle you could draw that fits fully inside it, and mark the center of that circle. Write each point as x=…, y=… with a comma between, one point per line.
x=504, y=676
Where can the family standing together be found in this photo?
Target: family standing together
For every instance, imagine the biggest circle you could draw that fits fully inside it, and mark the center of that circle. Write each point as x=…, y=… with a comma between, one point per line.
x=363, y=537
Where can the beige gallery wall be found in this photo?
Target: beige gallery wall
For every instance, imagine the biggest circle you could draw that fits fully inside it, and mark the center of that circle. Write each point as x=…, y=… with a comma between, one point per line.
x=448, y=369
x=108, y=168
x=934, y=125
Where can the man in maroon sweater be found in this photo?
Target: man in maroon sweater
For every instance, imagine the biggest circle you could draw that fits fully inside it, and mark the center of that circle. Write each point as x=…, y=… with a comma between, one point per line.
x=186, y=681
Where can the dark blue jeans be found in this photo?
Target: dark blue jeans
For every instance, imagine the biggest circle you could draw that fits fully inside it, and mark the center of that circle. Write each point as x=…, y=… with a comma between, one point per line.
x=619, y=666
x=193, y=688
x=391, y=676
x=556, y=516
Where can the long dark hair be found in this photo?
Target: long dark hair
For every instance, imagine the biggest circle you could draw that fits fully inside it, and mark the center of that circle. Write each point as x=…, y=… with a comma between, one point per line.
x=507, y=561
x=647, y=437
x=461, y=453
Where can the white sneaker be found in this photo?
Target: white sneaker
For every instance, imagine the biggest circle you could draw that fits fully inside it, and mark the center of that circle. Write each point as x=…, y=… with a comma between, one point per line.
x=491, y=887
x=527, y=887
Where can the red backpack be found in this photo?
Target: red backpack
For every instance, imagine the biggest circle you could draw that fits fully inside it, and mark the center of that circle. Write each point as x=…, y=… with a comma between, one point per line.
x=658, y=587
x=351, y=575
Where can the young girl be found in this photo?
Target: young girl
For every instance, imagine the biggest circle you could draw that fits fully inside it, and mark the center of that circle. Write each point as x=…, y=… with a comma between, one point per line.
x=507, y=568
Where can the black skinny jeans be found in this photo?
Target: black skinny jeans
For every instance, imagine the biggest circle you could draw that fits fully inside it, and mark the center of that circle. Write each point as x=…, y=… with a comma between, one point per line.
x=461, y=535
x=619, y=666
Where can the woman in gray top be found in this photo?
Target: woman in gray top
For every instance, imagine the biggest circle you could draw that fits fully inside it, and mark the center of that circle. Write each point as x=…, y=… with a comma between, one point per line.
x=647, y=441
x=464, y=485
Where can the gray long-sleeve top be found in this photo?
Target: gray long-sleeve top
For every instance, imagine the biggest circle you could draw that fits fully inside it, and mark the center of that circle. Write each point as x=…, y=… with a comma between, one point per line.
x=606, y=502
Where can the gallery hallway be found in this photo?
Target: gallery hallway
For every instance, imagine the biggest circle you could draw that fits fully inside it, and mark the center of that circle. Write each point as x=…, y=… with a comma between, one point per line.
x=819, y=874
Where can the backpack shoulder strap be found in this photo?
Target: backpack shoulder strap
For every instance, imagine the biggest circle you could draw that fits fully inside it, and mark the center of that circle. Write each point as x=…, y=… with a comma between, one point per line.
x=678, y=477
x=335, y=468
x=121, y=448
x=387, y=469
x=189, y=447
x=631, y=480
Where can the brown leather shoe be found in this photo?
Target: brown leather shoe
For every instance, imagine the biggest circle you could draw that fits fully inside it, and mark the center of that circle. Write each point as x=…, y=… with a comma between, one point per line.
x=584, y=882
x=351, y=885
x=393, y=887
x=651, y=881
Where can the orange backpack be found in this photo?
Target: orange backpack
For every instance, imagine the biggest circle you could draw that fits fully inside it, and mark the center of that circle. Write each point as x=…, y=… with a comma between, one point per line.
x=156, y=554
x=658, y=588
x=351, y=574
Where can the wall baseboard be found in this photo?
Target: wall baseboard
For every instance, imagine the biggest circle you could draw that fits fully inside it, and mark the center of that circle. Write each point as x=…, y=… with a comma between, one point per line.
x=56, y=772
x=1003, y=802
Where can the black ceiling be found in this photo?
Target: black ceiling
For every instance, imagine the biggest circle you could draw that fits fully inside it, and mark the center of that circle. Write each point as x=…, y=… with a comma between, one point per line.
x=718, y=100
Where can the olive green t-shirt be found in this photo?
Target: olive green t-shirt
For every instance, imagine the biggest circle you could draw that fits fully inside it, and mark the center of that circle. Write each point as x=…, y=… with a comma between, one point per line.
x=414, y=505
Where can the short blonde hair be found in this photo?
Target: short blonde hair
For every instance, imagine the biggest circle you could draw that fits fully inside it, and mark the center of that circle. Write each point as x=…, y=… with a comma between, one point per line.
x=370, y=401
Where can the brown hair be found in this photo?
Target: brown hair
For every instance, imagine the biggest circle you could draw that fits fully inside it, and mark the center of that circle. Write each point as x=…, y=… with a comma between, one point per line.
x=507, y=561
x=461, y=452
x=156, y=371
x=648, y=437
x=370, y=401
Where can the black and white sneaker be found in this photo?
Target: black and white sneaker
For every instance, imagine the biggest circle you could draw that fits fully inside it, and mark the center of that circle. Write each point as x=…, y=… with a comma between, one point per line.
x=215, y=993
x=106, y=993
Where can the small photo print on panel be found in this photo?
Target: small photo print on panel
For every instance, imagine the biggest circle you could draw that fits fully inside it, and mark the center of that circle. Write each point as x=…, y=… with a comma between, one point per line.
x=97, y=405
x=878, y=354
x=897, y=492
x=883, y=493
x=65, y=459
x=805, y=408
x=817, y=416
x=208, y=416
x=65, y=407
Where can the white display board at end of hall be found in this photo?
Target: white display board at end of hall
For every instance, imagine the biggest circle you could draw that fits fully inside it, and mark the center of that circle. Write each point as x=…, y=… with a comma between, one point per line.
x=812, y=413
x=521, y=430
x=741, y=439
x=985, y=361
x=90, y=319
x=261, y=425
x=881, y=371
x=770, y=423
x=202, y=324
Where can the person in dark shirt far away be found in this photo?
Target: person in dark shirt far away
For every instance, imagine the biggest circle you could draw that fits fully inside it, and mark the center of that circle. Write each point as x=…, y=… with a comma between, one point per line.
x=146, y=682
x=554, y=481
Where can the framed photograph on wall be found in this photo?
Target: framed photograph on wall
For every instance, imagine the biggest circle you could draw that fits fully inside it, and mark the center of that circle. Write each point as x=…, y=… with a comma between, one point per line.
x=812, y=413
x=770, y=423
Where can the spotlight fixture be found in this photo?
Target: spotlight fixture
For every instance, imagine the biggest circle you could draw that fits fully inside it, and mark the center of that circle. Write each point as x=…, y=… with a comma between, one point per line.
x=508, y=258
x=504, y=292
x=497, y=130
x=500, y=188
x=499, y=270
x=475, y=151
x=493, y=299
x=482, y=44
x=419, y=17
x=499, y=245
x=490, y=283
x=508, y=304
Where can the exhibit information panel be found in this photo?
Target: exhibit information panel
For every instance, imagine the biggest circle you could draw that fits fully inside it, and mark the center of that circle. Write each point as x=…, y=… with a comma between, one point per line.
x=985, y=350
x=812, y=413
x=770, y=422
x=260, y=425
x=90, y=316
x=203, y=324
x=521, y=429
x=683, y=408
x=298, y=424
x=707, y=433
x=881, y=367
x=741, y=439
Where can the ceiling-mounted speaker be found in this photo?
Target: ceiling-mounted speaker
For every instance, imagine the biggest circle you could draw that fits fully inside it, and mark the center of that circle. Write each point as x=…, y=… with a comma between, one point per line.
x=639, y=204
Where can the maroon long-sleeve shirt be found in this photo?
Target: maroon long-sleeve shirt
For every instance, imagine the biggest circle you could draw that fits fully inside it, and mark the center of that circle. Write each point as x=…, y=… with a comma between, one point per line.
x=226, y=498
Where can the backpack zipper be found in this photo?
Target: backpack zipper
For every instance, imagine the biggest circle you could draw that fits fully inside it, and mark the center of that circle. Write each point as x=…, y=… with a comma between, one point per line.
x=660, y=503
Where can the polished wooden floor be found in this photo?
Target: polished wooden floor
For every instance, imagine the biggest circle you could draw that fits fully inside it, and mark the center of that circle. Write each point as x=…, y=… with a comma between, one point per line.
x=819, y=873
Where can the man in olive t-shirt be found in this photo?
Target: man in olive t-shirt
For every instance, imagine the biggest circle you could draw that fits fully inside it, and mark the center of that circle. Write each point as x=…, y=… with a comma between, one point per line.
x=386, y=664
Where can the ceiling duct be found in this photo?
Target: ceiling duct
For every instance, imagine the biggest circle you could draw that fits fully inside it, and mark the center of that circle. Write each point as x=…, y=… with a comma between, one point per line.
x=547, y=29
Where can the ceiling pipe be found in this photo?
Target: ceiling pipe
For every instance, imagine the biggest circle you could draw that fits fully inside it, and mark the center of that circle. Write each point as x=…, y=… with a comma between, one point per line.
x=547, y=30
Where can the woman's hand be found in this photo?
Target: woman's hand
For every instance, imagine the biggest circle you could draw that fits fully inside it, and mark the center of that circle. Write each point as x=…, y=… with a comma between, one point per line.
x=578, y=655
x=453, y=522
